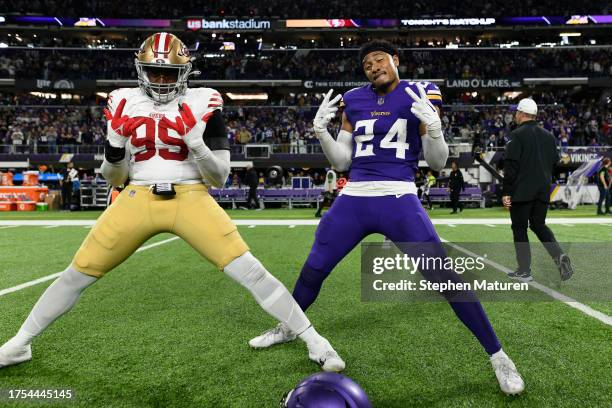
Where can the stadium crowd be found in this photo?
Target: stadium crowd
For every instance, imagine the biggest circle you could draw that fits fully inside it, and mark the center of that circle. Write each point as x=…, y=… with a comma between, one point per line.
x=305, y=8
x=96, y=64
x=289, y=123
x=574, y=124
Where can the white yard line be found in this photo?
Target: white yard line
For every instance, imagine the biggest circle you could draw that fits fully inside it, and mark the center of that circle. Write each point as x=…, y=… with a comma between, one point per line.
x=287, y=222
x=55, y=275
x=9, y=226
x=602, y=317
x=292, y=223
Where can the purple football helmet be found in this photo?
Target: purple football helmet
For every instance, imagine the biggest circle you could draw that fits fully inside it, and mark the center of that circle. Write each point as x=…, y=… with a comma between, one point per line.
x=326, y=390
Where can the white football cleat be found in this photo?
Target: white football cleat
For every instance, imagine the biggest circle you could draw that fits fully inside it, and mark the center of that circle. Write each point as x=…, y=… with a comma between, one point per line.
x=279, y=334
x=510, y=381
x=324, y=355
x=11, y=354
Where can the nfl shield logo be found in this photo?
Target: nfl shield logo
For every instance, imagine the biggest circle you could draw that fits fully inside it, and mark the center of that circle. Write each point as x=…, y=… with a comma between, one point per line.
x=381, y=100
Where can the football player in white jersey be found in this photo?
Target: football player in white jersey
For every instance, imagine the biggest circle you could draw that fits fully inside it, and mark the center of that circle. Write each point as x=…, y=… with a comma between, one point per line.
x=171, y=142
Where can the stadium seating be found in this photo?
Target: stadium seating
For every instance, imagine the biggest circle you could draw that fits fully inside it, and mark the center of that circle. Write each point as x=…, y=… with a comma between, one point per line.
x=287, y=196
x=471, y=196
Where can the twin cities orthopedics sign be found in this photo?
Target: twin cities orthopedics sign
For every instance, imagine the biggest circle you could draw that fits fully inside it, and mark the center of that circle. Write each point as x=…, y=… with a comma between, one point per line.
x=482, y=83
x=311, y=84
x=225, y=24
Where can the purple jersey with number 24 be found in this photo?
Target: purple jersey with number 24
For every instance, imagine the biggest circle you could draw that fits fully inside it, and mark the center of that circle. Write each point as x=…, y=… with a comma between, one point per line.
x=386, y=134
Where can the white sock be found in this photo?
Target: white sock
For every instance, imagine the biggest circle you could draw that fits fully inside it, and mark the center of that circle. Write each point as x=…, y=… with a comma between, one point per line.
x=58, y=299
x=269, y=292
x=499, y=354
x=310, y=336
x=22, y=338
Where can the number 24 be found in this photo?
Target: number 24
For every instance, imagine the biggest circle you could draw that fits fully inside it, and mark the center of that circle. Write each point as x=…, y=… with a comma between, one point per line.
x=397, y=131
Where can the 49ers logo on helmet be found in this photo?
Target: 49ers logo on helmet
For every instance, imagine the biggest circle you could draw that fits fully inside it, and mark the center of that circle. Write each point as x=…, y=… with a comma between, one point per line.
x=184, y=51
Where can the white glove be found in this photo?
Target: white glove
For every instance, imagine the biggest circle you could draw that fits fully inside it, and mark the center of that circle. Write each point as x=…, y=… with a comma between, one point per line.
x=425, y=111
x=190, y=129
x=326, y=113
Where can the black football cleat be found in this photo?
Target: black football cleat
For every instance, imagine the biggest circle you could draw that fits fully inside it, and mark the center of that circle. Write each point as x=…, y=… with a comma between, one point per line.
x=565, y=267
x=523, y=276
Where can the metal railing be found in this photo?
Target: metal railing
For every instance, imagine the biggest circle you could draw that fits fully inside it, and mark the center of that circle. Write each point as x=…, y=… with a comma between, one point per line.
x=285, y=148
x=51, y=149
x=239, y=149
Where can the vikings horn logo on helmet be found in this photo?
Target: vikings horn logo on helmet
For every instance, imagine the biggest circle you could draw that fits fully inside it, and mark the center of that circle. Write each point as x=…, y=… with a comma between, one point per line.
x=163, y=64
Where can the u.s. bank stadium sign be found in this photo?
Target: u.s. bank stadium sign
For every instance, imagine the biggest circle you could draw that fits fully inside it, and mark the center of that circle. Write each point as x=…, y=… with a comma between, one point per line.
x=482, y=83
x=225, y=24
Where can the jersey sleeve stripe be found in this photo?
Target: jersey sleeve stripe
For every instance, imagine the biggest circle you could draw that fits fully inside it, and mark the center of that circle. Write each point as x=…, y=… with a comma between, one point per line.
x=435, y=97
x=434, y=91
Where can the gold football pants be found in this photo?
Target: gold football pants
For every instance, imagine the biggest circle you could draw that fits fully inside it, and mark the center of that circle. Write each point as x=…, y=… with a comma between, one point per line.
x=138, y=214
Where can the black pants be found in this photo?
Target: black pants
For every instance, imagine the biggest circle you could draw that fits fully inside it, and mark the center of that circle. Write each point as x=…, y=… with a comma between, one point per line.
x=428, y=200
x=604, y=196
x=66, y=195
x=328, y=200
x=253, y=201
x=531, y=214
x=454, y=197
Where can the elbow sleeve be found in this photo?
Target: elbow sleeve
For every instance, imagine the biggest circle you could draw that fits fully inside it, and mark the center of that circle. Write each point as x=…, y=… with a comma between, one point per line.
x=215, y=167
x=435, y=151
x=115, y=173
x=338, y=152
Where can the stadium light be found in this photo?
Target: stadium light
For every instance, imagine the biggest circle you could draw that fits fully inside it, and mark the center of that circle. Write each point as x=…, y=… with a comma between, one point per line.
x=570, y=34
x=44, y=95
x=263, y=96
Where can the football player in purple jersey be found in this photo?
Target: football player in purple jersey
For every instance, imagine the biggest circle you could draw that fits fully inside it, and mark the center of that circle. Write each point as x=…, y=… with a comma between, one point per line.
x=385, y=126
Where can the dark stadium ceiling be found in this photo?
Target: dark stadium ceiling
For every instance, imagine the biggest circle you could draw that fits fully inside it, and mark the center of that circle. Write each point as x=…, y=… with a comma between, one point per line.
x=305, y=39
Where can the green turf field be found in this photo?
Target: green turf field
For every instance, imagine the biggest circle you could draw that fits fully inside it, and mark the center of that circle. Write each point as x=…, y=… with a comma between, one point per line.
x=166, y=329
x=306, y=213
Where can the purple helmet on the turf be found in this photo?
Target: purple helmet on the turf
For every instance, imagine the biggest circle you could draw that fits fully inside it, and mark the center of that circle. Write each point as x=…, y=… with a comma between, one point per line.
x=326, y=390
